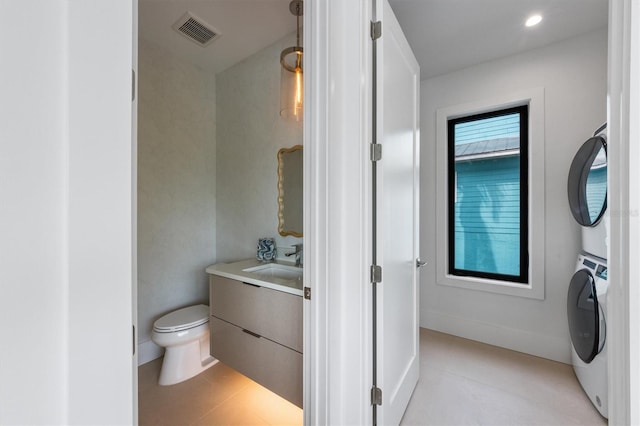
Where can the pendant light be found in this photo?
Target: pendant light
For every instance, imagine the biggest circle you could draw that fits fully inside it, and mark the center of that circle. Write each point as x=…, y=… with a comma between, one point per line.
x=291, y=84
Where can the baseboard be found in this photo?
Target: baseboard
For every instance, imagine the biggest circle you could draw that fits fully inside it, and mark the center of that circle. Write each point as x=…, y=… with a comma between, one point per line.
x=536, y=344
x=148, y=351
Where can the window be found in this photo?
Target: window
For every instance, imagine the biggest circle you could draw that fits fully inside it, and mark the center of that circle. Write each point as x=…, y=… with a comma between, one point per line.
x=488, y=195
x=527, y=279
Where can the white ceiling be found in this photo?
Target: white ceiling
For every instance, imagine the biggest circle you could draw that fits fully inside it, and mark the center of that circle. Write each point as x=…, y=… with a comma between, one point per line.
x=246, y=27
x=445, y=35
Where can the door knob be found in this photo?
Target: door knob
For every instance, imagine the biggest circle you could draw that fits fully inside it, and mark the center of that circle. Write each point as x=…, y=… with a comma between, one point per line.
x=420, y=263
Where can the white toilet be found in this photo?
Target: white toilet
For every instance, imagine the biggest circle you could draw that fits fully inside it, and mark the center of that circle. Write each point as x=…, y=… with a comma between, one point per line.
x=185, y=336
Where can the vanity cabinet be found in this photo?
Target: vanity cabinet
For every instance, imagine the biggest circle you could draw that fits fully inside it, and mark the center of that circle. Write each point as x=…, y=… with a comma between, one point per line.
x=258, y=331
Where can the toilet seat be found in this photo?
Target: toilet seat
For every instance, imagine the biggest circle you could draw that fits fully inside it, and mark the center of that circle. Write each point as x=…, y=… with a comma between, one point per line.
x=182, y=319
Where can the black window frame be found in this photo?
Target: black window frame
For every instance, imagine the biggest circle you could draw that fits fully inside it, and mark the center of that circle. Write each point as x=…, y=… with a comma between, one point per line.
x=523, y=277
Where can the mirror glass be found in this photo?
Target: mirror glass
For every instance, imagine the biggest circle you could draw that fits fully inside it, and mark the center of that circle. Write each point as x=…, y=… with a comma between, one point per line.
x=290, y=191
x=596, y=191
x=587, y=183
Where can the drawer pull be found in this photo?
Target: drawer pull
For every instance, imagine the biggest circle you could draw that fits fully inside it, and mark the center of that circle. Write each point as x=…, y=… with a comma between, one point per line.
x=252, y=285
x=251, y=333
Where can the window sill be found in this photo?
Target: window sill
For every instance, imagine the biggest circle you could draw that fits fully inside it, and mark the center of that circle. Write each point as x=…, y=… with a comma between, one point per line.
x=493, y=286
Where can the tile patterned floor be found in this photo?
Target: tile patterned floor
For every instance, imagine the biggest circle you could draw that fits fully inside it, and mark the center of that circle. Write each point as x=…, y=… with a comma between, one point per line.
x=462, y=382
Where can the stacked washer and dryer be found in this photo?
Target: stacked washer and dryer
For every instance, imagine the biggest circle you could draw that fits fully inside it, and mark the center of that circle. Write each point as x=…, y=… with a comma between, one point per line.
x=587, y=294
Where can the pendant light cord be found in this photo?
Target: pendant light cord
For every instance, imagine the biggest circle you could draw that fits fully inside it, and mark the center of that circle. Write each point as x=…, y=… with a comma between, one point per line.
x=298, y=25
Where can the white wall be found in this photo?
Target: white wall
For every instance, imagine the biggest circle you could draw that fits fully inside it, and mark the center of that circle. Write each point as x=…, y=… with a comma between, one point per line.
x=33, y=214
x=176, y=187
x=573, y=74
x=66, y=225
x=250, y=132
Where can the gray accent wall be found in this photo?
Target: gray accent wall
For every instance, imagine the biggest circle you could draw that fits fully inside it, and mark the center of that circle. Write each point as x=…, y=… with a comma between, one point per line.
x=207, y=174
x=176, y=185
x=250, y=132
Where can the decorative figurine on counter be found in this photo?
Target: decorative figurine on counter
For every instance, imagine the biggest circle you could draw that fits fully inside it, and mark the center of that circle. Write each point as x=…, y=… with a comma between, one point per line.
x=266, y=250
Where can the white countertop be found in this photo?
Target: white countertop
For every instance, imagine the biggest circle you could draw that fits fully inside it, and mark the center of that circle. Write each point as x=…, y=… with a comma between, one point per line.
x=235, y=271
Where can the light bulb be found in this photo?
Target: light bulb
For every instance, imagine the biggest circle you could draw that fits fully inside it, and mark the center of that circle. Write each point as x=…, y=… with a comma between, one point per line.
x=298, y=96
x=533, y=20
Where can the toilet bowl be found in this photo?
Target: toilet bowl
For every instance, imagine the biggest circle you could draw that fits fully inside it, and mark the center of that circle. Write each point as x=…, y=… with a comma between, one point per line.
x=185, y=336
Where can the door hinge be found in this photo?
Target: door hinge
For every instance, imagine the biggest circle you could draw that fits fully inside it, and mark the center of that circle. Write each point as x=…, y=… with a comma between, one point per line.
x=134, y=339
x=376, y=396
x=307, y=293
x=133, y=85
x=376, y=274
x=376, y=152
x=376, y=30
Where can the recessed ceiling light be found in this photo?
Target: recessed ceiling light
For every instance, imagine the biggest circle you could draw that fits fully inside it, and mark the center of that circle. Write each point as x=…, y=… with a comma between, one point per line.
x=533, y=20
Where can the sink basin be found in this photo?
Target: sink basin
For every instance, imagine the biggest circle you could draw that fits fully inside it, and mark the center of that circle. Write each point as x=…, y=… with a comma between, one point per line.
x=276, y=270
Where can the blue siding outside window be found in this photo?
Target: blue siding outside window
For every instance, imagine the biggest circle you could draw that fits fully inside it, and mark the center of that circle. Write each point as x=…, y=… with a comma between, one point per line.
x=596, y=190
x=487, y=215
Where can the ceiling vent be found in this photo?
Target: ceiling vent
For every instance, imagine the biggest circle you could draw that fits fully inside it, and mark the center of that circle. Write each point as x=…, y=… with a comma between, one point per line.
x=195, y=29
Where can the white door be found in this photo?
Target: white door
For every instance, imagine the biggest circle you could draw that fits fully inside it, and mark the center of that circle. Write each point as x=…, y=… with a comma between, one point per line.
x=397, y=233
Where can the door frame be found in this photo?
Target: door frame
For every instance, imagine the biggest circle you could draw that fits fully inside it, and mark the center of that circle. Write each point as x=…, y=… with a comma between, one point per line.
x=99, y=209
x=337, y=131
x=624, y=206
x=337, y=203
x=327, y=203
x=134, y=208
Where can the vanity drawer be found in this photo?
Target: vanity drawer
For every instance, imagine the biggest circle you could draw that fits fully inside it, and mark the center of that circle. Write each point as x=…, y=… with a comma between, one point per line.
x=274, y=366
x=270, y=313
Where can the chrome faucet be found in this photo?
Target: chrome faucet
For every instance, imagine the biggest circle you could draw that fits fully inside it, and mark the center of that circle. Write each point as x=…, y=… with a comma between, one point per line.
x=297, y=253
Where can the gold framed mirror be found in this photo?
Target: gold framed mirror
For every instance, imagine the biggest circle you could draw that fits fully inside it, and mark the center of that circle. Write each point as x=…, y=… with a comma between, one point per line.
x=290, y=191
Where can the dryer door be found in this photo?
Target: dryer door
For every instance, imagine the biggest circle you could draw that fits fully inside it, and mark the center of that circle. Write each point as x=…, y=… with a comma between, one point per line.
x=584, y=315
x=587, y=183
